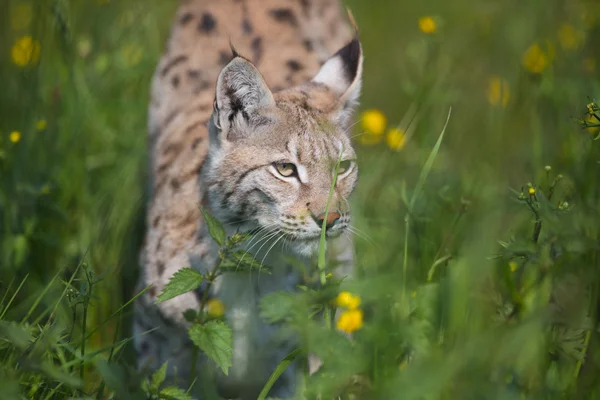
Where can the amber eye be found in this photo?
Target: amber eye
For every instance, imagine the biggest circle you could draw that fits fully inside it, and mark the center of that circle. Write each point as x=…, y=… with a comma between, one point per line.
x=344, y=166
x=286, y=169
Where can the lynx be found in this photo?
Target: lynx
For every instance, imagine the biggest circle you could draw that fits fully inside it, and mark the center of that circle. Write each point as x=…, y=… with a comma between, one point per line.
x=254, y=136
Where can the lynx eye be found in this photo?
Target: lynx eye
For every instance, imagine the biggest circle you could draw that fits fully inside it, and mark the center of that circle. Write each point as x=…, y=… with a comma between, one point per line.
x=344, y=167
x=286, y=169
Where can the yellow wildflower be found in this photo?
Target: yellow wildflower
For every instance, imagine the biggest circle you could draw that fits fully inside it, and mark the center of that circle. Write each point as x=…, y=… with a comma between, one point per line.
x=25, y=51
x=373, y=122
x=427, y=25
x=531, y=191
x=215, y=308
x=45, y=189
x=15, y=136
x=395, y=139
x=41, y=124
x=569, y=37
x=590, y=118
x=350, y=321
x=498, y=92
x=20, y=16
x=512, y=266
x=347, y=300
x=535, y=59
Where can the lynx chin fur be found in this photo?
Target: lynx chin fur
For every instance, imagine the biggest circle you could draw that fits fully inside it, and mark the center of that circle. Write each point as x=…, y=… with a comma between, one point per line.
x=254, y=138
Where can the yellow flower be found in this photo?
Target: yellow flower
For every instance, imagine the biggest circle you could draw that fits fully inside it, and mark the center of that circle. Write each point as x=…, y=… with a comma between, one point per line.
x=373, y=122
x=395, y=139
x=350, y=321
x=569, y=37
x=512, y=266
x=25, y=51
x=427, y=25
x=41, y=124
x=531, y=191
x=591, y=119
x=20, y=16
x=15, y=136
x=535, y=59
x=498, y=92
x=215, y=308
x=45, y=189
x=347, y=300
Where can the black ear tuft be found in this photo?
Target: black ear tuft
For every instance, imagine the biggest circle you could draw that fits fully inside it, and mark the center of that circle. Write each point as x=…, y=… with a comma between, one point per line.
x=350, y=56
x=233, y=50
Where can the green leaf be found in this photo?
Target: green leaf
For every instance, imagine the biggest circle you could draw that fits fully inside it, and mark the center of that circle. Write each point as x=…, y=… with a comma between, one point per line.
x=242, y=261
x=174, y=393
x=215, y=229
x=183, y=281
x=277, y=306
x=159, y=377
x=280, y=369
x=215, y=339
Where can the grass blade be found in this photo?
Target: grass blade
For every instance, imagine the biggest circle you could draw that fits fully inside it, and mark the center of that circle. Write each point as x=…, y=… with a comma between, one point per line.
x=280, y=369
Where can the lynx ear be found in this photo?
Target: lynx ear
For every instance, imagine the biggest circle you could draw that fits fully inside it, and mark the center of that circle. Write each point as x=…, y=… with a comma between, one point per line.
x=241, y=93
x=342, y=74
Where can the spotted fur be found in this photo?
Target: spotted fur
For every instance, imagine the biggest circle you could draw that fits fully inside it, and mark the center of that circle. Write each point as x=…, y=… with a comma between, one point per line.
x=220, y=124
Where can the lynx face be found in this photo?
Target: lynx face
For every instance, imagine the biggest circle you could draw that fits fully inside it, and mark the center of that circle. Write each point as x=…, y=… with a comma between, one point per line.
x=273, y=157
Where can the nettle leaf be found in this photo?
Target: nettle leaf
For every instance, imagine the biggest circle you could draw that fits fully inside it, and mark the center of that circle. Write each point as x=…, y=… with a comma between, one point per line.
x=174, y=393
x=215, y=229
x=242, y=261
x=183, y=281
x=277, y=306
x=215, y=339
x=158, y=377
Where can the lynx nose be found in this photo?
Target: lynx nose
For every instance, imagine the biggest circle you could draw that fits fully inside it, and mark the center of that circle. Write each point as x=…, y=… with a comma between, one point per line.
x=332, y=218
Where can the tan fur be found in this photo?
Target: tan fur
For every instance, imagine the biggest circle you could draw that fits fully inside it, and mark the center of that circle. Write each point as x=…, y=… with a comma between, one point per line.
x=287, y=41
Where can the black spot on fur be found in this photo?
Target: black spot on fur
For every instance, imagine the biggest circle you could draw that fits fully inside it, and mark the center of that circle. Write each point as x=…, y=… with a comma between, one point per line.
x=305, y=6
x=156, y=221
x=173, y=62
x=175, y=184
x=294, y=65
x=175, y=81
x=196, y=142
x=284, y=15
x=224, y=58
x=246, y=26
x=170, y=117
x=160, y=268
x=152, y=291
x=193, y=73
x=350, y=55
x=186, y=18
x=308, y=45
x=257, y=49
x=208, y=23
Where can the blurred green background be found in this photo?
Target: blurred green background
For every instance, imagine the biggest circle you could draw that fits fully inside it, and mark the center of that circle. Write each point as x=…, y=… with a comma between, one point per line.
x=75, y=81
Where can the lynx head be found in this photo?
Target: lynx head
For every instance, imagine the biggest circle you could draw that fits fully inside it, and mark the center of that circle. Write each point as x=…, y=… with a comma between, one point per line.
x=273, y=156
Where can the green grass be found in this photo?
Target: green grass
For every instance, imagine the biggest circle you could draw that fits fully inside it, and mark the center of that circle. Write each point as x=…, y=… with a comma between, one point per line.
x=469, y=289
